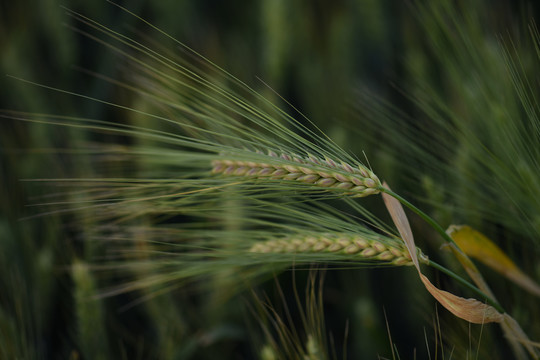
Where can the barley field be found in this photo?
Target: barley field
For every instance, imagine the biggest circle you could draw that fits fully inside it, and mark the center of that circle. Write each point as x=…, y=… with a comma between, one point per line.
x=270, y=179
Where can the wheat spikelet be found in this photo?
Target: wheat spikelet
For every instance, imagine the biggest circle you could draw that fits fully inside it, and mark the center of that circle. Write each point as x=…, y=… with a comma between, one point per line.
x=348, y=244
x=355, y=181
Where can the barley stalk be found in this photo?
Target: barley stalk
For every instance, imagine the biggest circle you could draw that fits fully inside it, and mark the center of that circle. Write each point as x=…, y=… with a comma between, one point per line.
x=339, y=243
x=355, y=181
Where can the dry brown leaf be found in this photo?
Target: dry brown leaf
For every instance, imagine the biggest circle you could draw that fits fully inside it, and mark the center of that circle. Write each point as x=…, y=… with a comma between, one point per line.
x=402, y=224
x=471, y=310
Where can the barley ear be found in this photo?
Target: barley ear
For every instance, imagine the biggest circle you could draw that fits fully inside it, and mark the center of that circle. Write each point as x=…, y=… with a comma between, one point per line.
x=355, y=181
x=354, y=246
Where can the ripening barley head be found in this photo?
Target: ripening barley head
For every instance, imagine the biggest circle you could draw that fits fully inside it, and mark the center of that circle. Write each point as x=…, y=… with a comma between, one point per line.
x=204, y=168
x=203, y=184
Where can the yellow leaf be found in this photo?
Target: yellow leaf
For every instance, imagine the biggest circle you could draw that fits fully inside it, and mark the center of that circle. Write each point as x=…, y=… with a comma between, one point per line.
x=478, y=246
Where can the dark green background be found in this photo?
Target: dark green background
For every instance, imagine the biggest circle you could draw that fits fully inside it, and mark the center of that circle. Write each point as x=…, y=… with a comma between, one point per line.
x=322, y=56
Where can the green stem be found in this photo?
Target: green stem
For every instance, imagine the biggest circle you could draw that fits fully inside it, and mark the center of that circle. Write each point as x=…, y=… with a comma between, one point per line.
x=422, y=214
x=448, y=239
x=467, y=284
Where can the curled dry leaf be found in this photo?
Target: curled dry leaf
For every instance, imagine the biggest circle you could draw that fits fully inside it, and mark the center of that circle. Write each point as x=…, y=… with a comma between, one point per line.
x=471, y=310
x=473, y=243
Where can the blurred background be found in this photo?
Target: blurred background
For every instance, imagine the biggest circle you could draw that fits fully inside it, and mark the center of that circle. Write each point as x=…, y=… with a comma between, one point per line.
x=371, y=74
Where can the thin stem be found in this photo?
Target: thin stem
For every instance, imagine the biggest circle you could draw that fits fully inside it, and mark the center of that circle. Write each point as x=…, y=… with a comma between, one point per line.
x=422, y=214
x=467, y=284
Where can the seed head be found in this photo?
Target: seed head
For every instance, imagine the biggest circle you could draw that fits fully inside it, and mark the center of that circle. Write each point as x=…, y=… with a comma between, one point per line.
x=347, y=244
x=354, y=181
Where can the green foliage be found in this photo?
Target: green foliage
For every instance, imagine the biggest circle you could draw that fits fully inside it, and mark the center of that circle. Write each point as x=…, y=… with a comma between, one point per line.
x=132, y=248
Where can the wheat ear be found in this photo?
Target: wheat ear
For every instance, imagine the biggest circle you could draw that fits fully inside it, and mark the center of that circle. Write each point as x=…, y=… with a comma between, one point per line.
x=347, y=244
x=356, y=181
